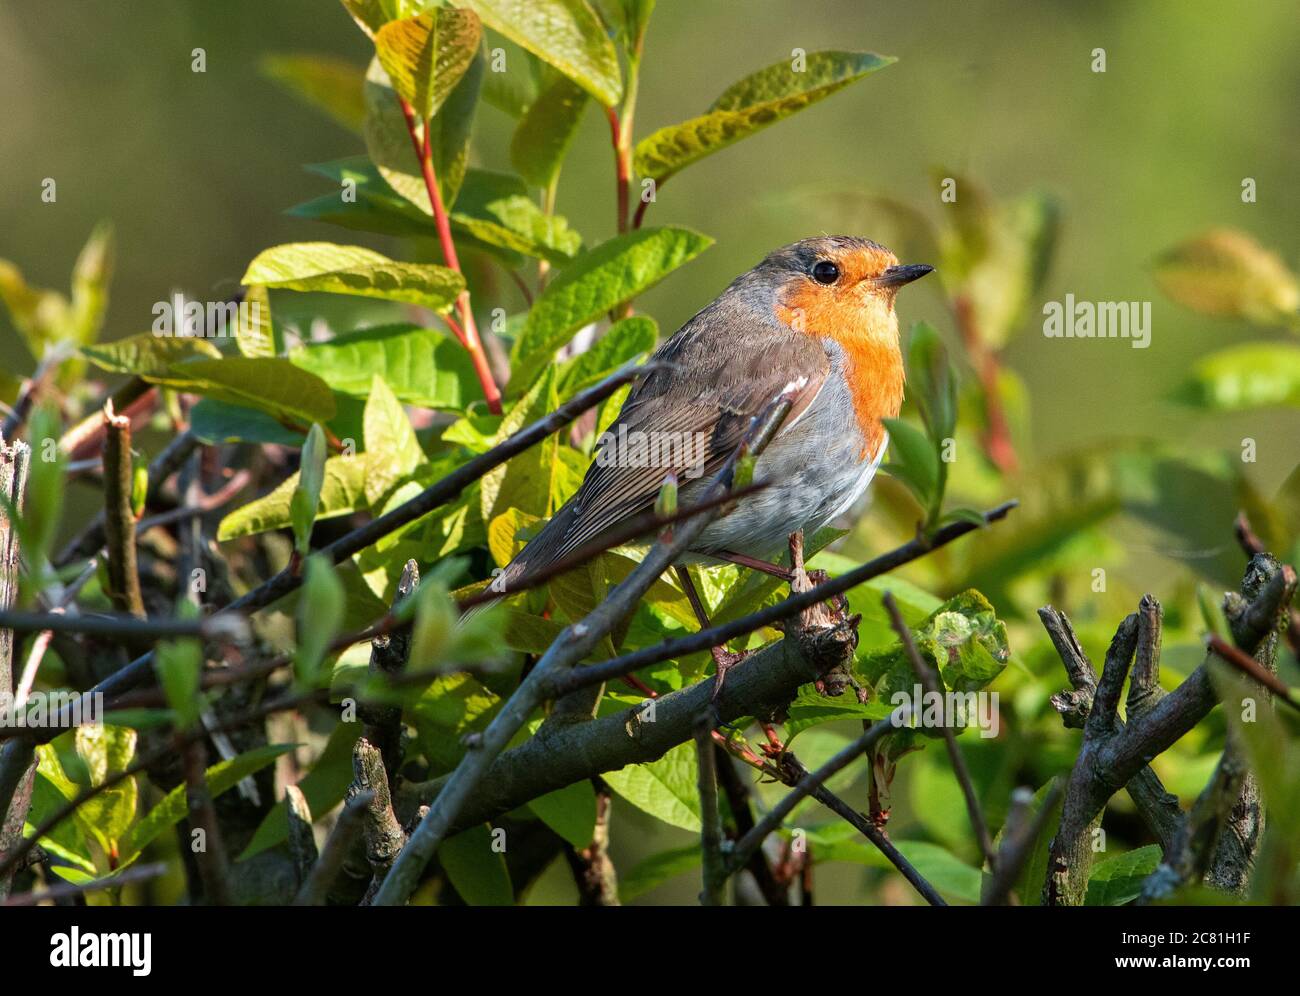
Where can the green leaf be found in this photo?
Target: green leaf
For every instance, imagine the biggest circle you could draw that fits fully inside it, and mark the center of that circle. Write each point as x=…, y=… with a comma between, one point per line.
x=422, y=367
x=147, y=354
x=963, y=639
x=372, y=15
x=939, y=866
x=477, y=868
x=750, y=105
x=1117, y=880
x=392, y=451
x=388, y=141
x=179, y=665
x=666, y=789
x=269, y=383
x=1225, y=272
x=810, y=708
x=365, y=202
x=306, y=496
x=90, y=277
x=997, y=257
x=321, y=81
x=452, y=706
x=544, y=134
x=106, y=751
x=1241, y=378
x=935, y=387
x=567, y=34
x=913, y=460
x=255, y=332
x=219, y=422
x=221, y=777
x=623, y=342
x=595, y=282
x=570, y=812
x=343, y=491
x=496, y=210
x=426, y=56
x=319, y=610
x=336, y=269
x=653, y=871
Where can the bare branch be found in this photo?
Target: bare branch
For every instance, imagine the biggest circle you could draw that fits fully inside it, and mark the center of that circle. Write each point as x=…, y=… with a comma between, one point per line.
x=337, y=846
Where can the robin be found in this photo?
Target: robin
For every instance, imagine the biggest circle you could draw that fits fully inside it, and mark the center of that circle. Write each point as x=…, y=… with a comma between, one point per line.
x=818, y=314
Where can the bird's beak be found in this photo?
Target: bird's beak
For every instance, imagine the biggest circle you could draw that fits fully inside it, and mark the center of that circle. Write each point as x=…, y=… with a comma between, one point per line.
x=896, y=276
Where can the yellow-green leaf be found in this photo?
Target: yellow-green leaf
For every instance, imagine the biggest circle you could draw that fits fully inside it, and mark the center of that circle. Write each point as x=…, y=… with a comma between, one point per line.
x=392, y=451
x=426, y=56
x=342, y=492
x=1227, y=273
x=594, y=283
x=567, y=34
x=751, y=104
x=336, y=269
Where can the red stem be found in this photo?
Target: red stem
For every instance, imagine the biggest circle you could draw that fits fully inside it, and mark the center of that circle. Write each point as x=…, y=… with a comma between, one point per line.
x=997, y=437
x=622, y=166
x=469, y=336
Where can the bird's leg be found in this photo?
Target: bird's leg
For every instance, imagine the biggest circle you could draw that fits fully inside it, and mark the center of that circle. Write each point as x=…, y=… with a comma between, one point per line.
x=754, y=564
x=723, y=659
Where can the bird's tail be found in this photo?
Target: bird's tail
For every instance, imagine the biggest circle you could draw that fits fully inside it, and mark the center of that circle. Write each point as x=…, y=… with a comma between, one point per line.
x=542, y=551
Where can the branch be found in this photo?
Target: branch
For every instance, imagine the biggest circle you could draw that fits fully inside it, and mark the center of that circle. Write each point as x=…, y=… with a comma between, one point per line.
x=715, y=867
x=1018, y=839
x=119, y=518
x=337, y=846
x=1158, y=808
x=389, y=653
x=617, y=667
x=593, y=871
x=211, y=857
x=166, y=463
x=1113, y=754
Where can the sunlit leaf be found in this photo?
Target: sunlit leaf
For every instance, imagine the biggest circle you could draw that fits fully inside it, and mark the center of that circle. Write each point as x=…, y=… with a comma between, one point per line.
x=567, y=34
x=337, y=269
x=750, y=105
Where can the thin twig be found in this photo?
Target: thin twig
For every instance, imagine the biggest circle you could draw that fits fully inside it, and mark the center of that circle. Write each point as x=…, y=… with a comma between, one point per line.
x=806, y=785
x=930, y=682
x=65, y=890
x=719, y=635
x=210, y=854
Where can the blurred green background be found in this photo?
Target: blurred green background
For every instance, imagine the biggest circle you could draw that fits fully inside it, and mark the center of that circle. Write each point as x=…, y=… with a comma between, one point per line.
x=195, y=170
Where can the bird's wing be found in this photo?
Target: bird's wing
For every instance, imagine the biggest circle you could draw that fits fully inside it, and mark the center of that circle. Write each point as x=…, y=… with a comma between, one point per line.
x=708, y=392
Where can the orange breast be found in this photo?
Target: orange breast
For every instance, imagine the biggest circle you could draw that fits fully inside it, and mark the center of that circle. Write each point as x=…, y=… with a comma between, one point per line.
x=867, y=333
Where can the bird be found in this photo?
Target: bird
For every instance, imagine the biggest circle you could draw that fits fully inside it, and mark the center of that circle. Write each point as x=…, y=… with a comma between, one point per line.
x=816, y=319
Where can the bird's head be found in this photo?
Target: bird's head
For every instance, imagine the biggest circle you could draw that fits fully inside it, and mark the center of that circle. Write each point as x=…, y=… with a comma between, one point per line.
x=839, y=286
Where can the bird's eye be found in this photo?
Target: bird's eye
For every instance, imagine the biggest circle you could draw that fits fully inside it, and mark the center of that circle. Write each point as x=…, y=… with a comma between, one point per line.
x=826, y=272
